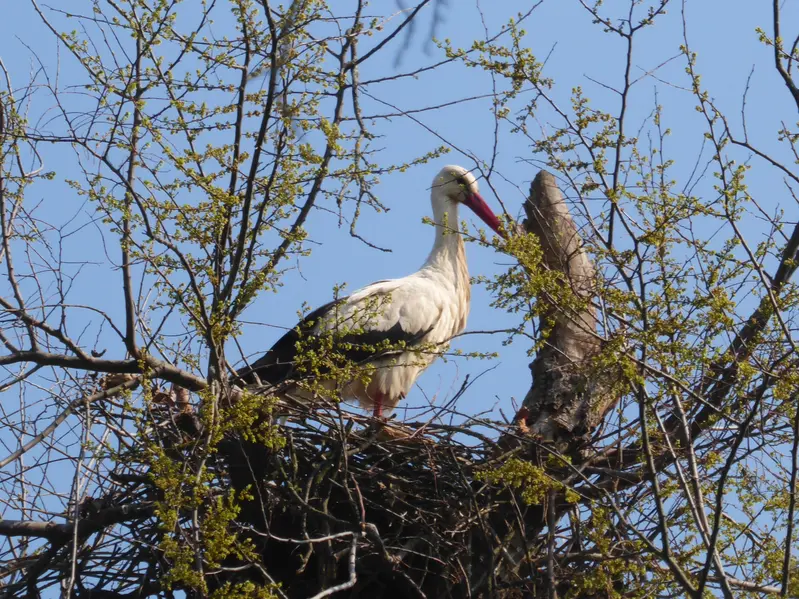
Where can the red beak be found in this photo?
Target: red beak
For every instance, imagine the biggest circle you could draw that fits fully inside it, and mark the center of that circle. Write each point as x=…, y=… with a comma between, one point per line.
x=478, y=205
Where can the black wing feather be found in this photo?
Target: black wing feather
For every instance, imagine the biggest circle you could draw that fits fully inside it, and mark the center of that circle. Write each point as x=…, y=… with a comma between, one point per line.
x=278, y=364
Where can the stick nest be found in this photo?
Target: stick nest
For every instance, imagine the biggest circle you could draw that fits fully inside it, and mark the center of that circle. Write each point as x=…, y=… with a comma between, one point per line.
x=346, y=506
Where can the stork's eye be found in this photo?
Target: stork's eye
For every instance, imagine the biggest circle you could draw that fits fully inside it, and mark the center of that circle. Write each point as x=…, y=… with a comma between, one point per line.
x=461, y=180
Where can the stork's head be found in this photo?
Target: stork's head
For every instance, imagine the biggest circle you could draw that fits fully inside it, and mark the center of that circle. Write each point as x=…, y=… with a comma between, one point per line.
x=456, y=184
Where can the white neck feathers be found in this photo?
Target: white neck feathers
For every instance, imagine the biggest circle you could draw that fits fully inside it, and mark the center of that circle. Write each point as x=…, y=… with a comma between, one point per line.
x=448, y=254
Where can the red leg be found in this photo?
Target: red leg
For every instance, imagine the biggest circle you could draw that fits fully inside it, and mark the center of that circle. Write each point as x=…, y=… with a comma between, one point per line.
x=377, y=411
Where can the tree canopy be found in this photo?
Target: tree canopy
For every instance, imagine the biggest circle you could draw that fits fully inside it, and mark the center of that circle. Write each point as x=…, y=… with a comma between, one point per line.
x=170, y=171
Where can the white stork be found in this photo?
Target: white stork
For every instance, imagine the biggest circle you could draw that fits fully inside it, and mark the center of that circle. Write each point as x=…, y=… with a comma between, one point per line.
x=390, y=326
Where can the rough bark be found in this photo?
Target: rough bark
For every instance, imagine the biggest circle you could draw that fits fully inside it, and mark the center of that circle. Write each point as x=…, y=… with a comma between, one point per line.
x=568, y=397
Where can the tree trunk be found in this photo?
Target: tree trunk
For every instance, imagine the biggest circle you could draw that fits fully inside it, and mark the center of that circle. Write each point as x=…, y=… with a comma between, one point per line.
x=568, y=398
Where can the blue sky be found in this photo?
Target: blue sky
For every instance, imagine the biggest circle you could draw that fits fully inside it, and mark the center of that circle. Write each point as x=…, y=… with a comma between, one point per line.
x=722, y=32
x=577, y=52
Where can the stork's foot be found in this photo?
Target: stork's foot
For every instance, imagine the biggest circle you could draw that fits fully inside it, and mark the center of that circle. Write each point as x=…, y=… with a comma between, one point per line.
x=384, y=430
x=399, y=433
x=393, y=433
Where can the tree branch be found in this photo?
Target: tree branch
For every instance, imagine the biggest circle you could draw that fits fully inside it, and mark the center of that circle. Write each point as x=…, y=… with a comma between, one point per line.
x=56, y=532
x=154, y=367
